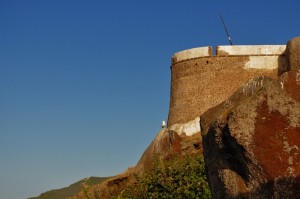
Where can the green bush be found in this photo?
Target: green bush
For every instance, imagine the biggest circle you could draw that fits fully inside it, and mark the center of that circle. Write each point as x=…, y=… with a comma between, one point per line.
x=171, y=179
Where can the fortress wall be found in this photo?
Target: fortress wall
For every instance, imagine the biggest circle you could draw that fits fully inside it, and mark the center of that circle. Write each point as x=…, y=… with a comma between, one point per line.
x=201, y=81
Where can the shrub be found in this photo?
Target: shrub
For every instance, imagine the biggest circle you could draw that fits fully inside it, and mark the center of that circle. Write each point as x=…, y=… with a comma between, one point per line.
x=179, y=177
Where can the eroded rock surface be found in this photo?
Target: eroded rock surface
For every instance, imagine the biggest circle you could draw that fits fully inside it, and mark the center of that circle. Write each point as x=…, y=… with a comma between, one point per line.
x=293, y=54
x=179, y=139
x=252, y=140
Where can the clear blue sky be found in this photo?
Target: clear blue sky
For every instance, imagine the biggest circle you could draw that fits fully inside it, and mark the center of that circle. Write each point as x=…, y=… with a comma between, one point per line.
x=84, y=85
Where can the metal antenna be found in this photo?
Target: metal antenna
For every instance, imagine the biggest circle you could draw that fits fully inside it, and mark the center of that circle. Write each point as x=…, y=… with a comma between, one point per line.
x=226, y=29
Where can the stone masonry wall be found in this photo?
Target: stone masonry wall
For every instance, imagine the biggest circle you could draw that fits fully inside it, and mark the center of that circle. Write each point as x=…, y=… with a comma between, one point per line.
x=200, y=80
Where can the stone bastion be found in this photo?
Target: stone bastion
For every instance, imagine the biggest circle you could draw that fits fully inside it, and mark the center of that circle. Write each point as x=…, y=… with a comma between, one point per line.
x=201, y=80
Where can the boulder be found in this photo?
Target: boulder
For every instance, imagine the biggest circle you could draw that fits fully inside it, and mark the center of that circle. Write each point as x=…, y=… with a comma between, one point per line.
x=251, y=142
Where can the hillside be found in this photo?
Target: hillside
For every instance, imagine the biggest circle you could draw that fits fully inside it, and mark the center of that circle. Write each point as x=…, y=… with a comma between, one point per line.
x=71, y=190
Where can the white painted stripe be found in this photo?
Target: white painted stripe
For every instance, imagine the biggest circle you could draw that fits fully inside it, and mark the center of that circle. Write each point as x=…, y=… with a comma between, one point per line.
x=262, y=62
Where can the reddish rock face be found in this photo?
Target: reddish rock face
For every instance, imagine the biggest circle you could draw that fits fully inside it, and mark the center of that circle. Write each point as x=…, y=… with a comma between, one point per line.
x=252, y=141
x=167, y=144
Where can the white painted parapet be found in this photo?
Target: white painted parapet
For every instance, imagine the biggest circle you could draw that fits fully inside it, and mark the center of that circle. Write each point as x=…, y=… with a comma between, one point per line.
x=192, y=53
x=260, y=56
x=251, y=50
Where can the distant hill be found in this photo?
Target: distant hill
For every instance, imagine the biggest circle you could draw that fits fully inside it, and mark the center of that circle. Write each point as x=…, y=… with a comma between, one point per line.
x=71, y=190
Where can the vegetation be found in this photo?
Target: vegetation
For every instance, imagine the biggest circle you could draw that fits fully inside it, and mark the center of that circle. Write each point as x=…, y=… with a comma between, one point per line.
x=171, y=179
x=70, y=190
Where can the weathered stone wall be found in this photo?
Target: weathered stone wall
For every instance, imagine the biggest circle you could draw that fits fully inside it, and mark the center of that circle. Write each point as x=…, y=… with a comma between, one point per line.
x=201, y=81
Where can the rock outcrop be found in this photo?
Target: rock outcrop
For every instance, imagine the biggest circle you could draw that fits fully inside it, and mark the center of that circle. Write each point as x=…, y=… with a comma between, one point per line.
x=179, y=139
x=252, y=140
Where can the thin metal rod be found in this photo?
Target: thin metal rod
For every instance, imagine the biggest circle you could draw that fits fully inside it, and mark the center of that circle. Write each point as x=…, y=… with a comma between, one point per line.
x=226, y=29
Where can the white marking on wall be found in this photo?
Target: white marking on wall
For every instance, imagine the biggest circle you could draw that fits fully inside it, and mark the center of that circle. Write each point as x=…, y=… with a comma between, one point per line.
x=262, y=62
x=189, y=128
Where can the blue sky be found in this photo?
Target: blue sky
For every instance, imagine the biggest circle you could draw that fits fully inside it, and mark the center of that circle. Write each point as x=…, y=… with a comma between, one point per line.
x=84, y=85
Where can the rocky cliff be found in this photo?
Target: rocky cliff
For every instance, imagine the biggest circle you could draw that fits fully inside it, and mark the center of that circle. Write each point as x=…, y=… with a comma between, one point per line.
x=252, y=140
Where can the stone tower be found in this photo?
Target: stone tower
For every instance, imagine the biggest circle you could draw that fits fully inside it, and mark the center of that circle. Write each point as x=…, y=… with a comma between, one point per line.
x=201, y=80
